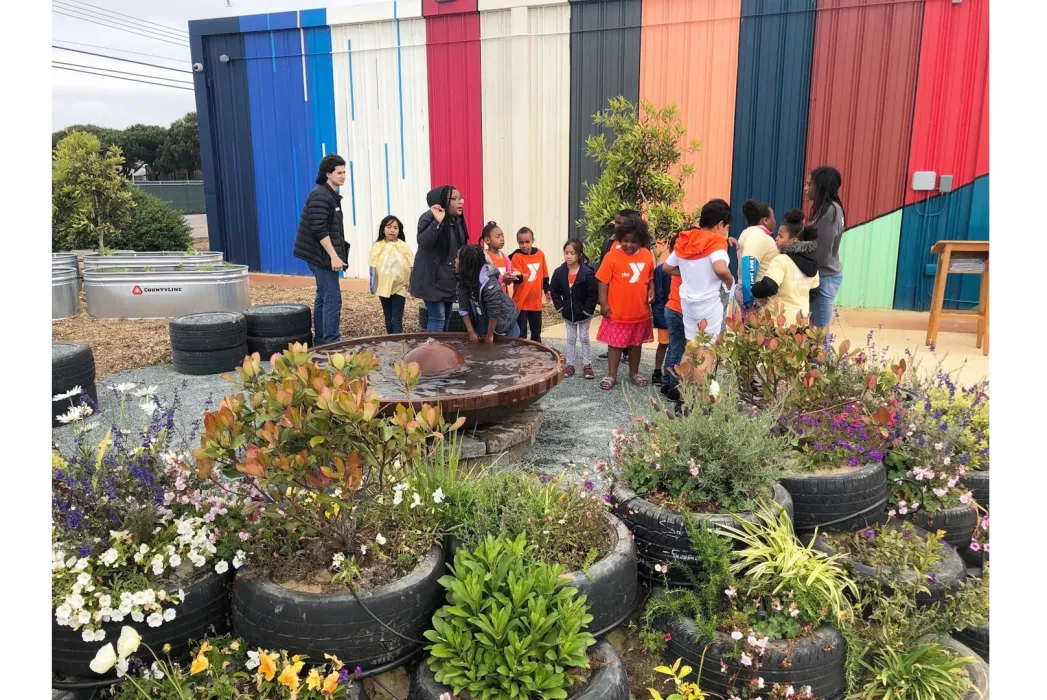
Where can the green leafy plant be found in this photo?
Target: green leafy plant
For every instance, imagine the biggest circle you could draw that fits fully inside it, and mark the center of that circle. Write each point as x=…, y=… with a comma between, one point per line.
x=640, y=169
x=926, y=672
x=925, y=467
x=894, y=549
x=153, y=226
x=90, y=201
x=509, y=629
x=685, y=690
x=968, y=409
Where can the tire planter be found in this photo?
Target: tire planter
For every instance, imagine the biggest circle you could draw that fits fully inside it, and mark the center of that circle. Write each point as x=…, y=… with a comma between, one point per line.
x=608, y=680
x=978, y=482
x=278, y=320
x=977, y=671
x=72, y=365
x=211, y=362
x=273, y=617
x=206, y=332
x=959, y=523
x=839, y=502
x=661, y=536
x=975, y=638
x=457, y=325
x=949, y=575
x=267, y=347
x=206, y=606
x=816, y=660
x=974, y=560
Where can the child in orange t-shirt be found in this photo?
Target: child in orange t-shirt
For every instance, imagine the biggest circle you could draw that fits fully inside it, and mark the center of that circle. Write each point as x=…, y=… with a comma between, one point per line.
x=494, y=240
x=533, y=282
x=626, y=279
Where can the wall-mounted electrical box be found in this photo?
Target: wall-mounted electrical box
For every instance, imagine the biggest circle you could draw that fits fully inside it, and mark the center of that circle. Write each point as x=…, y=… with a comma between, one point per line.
x=945, y=183
x=923, y=180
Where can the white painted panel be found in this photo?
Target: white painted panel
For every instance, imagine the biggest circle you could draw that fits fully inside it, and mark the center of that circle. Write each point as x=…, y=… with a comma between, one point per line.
x=374, y=12
x=487, y=5
x=526, y=84
x=370, y=126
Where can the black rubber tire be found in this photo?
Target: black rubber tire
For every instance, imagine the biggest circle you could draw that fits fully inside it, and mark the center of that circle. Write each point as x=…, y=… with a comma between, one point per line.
x=949, y=575
x=213, y=362
x=978, y=483
x=611, y=585
x=908, y=397
x=608, y=680
x=279, y=320
x=972, y=559
x=457, y=325
x=977, y=638
x=267, y=347
x=959, y=523
x=273, y=617
x=661, y=536
x=208, y=331
x=206, y=606
x=857, y=496
x=59, y=408
x=816, y=660
x=978, y=671
x=72, y=364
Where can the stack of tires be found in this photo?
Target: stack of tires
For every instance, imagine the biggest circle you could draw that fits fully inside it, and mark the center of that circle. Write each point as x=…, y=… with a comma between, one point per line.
x=72, y=366
x=272, y=327
x=208, y=343
x=457, y=324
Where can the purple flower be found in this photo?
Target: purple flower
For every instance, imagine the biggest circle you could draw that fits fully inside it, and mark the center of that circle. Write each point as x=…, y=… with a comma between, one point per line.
x=906, y=533
x=819, y=447
x=589, y=485
x=875, y=455
x=869, y=534
x=853, y=461
x=343, y=675
x=933, y=578
x=607, y=498
x=358, y=672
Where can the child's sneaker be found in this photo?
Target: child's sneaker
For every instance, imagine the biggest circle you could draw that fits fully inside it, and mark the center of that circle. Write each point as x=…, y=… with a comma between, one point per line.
x=656, y=377
x=587, y=372
x=569, y=372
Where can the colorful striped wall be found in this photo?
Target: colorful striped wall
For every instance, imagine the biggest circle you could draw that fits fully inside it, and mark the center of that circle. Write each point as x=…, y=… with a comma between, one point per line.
x=496, y=97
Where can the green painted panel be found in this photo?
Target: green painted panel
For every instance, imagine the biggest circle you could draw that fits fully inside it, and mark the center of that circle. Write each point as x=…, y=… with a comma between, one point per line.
x=869, y=254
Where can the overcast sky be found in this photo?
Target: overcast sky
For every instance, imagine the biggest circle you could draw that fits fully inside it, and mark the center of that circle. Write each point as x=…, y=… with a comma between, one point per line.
x=77, y=98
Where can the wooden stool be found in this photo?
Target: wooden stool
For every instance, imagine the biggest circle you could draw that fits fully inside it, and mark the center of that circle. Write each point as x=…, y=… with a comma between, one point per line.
x=961, y=258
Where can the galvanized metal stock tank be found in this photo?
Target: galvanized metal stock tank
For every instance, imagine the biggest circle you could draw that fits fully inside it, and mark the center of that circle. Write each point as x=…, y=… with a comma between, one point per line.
x=150, y=259
x=163, y=293
x=67, y=260
x=65, y=292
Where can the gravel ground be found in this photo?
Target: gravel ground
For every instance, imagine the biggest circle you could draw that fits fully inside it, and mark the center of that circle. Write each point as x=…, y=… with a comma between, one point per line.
x=579, y=416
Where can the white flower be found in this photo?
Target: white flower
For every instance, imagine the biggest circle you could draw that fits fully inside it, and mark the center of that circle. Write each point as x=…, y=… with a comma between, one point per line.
x=116, y=616
x=238, y=558
x=76, y=413
x=940, y=493
x=380, y=539
x=938, y=446
x=714, y=388
x=155, y=620
x=149, y=407
x=145, y=391
x=337, y=560
x=63, y=610
x=169, y=614
x=128, y=642
x=181, y=596
x=104, y=660
x=109, y=557
x=137, y=615
x=76, y=390
x=92, y=635
x=157, y=673
x=221, y=567
x=416, y=501
x=252, y=660
x=759, y=682
x=174, y=560
x=398, y=497
x=124, y=388
x=789, y=692
x=121, y=668
x=363, y=549
x=438, y=495
x=966, y=498
x=660, y=569
x=746, y=659
x=736, y=635
x=83, y=617
x=730, y=592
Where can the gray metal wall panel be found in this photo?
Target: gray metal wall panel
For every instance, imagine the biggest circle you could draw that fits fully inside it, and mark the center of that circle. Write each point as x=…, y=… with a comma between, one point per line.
x=605, y=63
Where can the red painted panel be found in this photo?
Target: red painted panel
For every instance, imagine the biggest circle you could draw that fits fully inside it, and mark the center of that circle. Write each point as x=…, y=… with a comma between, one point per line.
x=455, y=136
x=951, y=126
x=863, y=85
x=432, y=8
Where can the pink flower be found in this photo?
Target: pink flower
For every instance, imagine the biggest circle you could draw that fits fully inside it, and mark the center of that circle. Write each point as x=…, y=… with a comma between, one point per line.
x=730, y=592
x=668, y=637
x=746, y=659
x=966, y=498
x=736, y=635
x=903, y=510
x=975, y=546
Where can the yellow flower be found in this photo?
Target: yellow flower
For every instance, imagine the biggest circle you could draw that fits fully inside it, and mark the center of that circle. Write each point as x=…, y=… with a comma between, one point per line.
x=298, y=663
x=336, y=663
x=266, y=665
x=200, y=664
x=235, y=646
x=313, y=681
x=289, y=677
x=331, y=684
x=205, y=647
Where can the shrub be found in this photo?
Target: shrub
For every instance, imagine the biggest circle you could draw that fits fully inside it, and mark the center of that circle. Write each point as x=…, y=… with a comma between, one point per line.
x=153, y=226
x=509, y=629
x=90, y=201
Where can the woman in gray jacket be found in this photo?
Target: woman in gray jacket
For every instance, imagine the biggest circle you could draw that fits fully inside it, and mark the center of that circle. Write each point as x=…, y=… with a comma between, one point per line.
x=827, y=216
x=441, y=232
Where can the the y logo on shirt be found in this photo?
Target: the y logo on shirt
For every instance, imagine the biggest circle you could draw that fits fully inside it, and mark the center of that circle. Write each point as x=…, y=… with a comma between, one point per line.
x=533, y=267
x=637, y=268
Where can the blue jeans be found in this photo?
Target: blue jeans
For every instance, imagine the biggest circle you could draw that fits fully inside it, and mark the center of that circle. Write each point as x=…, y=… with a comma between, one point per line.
x=439, y=316
x=481, y=328
x=822, y=299
x=327, y=307
x=393, y=309
x=677, y=344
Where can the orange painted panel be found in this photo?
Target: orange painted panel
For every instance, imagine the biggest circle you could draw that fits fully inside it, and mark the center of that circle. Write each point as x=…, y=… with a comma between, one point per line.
x=689, y=56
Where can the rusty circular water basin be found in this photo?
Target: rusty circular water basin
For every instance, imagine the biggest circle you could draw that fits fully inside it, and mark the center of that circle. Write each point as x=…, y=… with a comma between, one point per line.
x=496, y=380
x=435, y=358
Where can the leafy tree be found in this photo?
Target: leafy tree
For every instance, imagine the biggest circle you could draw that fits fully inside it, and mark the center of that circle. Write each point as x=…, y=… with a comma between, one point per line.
x=106, y=137
x=153, y=226
x=181, y=150
x=637, y=170
x=90, y=201
x=141, y=144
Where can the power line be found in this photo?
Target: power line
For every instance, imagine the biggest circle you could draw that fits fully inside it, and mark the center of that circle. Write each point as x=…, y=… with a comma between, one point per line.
x=120, y=14
x=121, y=72
x=125, y=60
x=119, y=28
x=117, y=77
x=136, y=24
x=110, y=48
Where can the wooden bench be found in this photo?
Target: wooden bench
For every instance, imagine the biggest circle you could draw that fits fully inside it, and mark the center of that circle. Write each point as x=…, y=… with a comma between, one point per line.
x=961, y=258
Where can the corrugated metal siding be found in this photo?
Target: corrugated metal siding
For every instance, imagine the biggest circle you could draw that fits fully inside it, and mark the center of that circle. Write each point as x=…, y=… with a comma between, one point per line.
x=432, y=8
x=223, y=106
x=951, y=129
x=605, y=63
x=689, y=57
x=455, y=119
x=770, y=128
x=959, y=215
x=869, y=254
x=382, y=112
x=526, y=87
x=863, y=86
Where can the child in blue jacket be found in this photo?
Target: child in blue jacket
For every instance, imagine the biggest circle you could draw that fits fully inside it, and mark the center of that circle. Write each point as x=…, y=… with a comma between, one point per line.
x=575, y=293
x=662, y=285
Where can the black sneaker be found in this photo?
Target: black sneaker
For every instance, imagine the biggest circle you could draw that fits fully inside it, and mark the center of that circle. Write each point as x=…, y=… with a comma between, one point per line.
x=603, y=356
x=674, y=394
x=656, y=376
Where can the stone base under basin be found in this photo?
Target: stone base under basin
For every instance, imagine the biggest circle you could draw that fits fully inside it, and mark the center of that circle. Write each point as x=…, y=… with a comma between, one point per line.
x=500, y=444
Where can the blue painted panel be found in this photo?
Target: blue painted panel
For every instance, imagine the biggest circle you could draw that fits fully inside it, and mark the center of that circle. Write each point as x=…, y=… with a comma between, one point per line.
x=320, y=81
x=775, y=46
x=226, y=147
x=959, y=215
x=273, y=21
x=312, y=18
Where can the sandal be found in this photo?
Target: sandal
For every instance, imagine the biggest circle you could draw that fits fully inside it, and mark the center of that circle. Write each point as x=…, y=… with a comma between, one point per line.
x=607, y=383
x=569, y=371
x=639, y=381
x=587, y=372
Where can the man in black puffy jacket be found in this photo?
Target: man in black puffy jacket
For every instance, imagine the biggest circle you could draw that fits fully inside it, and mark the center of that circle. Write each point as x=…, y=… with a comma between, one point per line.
x=441, y=232
x=321, y=243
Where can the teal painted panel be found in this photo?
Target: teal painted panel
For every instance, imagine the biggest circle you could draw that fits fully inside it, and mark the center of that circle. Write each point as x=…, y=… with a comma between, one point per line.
x=869, y=254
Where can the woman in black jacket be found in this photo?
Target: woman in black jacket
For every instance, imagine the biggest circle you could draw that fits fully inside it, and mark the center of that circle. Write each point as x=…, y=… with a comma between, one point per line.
x=575, y=293
x=321, y=243
x=441, y=232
